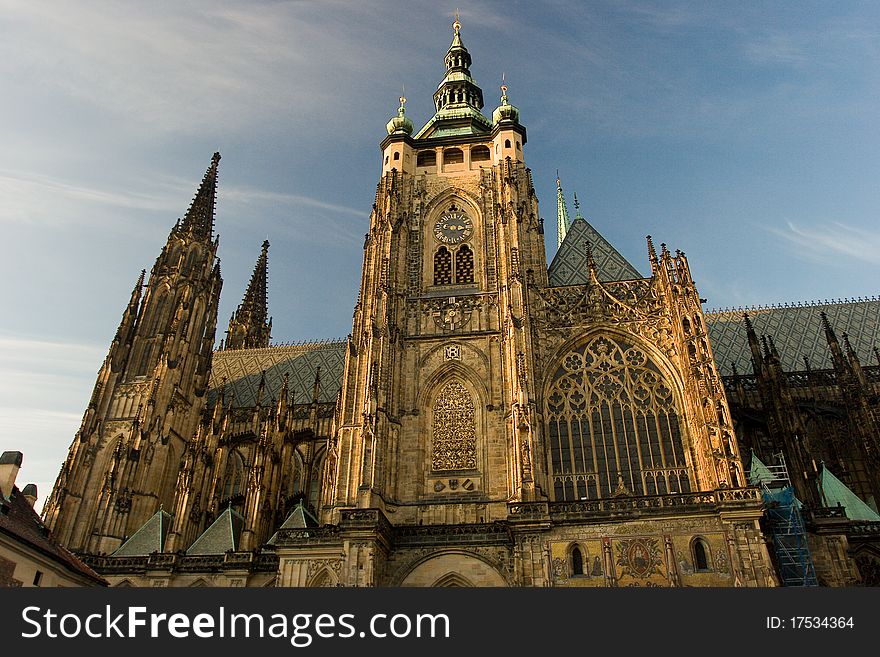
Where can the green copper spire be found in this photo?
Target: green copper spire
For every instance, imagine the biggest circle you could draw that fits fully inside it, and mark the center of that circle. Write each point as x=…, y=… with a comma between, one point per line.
x=458, y=100
x=562, y=222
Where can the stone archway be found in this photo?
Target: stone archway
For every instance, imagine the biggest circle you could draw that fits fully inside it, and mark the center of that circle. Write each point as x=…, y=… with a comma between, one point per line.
x=453, y=569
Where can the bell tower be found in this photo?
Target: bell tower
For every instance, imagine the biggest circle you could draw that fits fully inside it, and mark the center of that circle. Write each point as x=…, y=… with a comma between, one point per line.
x=436, y=422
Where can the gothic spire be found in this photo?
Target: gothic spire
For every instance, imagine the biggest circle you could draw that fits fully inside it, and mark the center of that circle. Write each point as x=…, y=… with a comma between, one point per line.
x=250, y=326
x=199, y=219
x=562, y=222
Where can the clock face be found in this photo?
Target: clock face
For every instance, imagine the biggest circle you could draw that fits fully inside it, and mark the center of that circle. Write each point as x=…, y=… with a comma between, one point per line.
x=453, y=227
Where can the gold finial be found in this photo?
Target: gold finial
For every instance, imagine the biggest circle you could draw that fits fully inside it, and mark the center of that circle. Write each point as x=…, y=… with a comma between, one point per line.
x=503, y=85
x=457, y=24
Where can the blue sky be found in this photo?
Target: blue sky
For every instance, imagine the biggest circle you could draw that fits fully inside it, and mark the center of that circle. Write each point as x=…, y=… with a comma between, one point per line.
x=745, y=134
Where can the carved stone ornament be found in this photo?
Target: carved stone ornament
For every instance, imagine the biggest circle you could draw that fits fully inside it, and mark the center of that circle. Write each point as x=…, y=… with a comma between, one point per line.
x=452, y=314
x=454, y=429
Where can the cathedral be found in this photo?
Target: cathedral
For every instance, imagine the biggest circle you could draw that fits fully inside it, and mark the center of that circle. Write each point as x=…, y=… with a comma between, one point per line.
x=491, y=420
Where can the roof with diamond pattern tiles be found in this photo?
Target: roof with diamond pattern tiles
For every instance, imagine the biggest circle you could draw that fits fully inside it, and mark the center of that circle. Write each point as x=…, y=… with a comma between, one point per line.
x=238, y=371
x=569, y=266
x=796, y=331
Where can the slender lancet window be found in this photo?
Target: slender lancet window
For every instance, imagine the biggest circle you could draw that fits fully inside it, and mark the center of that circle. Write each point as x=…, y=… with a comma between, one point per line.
x=442, y=267
x=454, y=429
x=464, y=265
x=613, y=426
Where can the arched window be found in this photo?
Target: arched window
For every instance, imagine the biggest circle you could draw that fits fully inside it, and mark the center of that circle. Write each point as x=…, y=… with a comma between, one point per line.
x=506, y=143
x=190, y=261
x=701, y=555
x=322, y=579
x=233, y=481
x=158, y=320
x=479, y=153
x=577, y=561
x=427, y=159
x=443, y=267
x=144, y=364
x=169, y=478
x=453, y=156
x=454, y=429
x=613, y=426
x=464, y=265
x=396, y=155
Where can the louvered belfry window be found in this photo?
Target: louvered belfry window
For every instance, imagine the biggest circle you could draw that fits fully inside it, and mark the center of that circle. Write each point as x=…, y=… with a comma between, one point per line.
x=442, y=267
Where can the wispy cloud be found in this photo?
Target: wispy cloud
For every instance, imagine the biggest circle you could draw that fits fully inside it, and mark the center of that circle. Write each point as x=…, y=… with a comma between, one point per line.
x=28, y=195
x=249, y=195
x=778, y=48
x=216, y=66
x=15, y=349
x=827, y=242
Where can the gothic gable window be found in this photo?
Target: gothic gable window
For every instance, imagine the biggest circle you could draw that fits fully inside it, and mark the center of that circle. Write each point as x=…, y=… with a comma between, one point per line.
x=613, y=426
x=464, y=265
x=454, y=429
x=233, y=484
x=442, y=267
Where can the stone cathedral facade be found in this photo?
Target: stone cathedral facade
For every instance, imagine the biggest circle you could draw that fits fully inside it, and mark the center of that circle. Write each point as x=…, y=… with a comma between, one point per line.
x=490, y=421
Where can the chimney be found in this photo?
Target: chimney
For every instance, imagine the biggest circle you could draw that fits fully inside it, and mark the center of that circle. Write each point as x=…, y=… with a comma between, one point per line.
x=30, y=494
x=10, y=463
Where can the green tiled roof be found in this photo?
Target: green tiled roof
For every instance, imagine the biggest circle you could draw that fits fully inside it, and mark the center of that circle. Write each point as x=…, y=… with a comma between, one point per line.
x=242, y=369
x=299, y=518
x=222, y=536
x=149, y=538
x=836, y=493
x=796, y=331
x=569, y=266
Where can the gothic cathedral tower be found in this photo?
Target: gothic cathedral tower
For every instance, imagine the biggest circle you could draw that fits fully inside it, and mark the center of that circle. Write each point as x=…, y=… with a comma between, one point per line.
x=435, y=403
x=150, y=393
x=485, y=398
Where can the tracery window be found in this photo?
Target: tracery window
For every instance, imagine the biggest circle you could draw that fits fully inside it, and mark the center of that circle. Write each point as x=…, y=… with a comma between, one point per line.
x=234, y=476
x=454, y=429
x=464, y=265
x=613, y=426
x=442, y=267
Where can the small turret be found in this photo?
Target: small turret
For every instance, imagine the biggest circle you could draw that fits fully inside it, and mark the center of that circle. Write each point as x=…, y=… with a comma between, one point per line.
x=505, y=112
x=400, y=124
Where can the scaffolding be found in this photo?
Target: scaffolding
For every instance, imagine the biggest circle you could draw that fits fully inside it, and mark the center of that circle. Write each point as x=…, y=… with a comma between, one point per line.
x=785, y=525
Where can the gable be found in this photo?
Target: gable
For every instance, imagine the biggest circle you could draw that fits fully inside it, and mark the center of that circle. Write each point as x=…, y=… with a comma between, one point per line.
x=569, y=266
